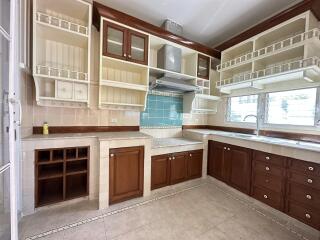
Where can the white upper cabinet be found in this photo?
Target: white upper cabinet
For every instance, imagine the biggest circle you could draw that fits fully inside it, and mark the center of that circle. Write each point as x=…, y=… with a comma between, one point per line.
x=289, y=51
x=61, y=52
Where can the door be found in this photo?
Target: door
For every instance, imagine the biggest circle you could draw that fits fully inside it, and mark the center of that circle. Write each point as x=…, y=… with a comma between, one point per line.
x=216, y=160
x=9, y=134
x=240, y=168
x=137, y=47
x=195, y=164
x=178, y=168
x=203, y=66
x=125, y=173
x=114, y=41
x=160, y=171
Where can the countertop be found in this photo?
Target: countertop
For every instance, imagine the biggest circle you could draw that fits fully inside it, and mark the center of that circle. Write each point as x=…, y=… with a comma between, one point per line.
x=107, y=136
x=269, y=140
x=172, y=142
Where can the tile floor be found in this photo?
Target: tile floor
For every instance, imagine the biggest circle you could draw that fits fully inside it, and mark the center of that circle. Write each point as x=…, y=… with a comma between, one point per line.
x=197, y=210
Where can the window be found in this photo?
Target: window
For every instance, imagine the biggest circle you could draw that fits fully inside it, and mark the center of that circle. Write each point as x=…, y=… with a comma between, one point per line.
x=296, y=107
x=240, y=107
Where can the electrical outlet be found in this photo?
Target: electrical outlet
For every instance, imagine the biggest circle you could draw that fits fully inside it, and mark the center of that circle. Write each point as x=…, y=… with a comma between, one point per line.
x=114, y=120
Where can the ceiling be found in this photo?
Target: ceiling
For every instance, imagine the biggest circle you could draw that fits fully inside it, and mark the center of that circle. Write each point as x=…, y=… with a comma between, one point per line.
x=206, y=21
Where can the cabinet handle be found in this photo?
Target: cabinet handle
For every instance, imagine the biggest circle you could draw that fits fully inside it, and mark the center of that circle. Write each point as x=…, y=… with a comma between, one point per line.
x=267, y=169
x=228, y=149
x=111, y=155
x=170, y=158
x=225, y=148
x=268, y=158
x=173, y=158
x=124, y=54
x=190, y=155
x=129, y=56
x=310, y=168
x=308, y=197
x=267, y=181
x=265, y=196
x=308, y=215
x=309, y=180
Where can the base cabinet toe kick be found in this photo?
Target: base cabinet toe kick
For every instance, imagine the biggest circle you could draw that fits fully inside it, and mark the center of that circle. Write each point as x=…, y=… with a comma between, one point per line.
x=286, y=184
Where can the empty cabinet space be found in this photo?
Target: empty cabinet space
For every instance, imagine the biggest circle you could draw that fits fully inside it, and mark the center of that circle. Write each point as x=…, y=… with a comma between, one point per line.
x=49, y=191
x=64, y=171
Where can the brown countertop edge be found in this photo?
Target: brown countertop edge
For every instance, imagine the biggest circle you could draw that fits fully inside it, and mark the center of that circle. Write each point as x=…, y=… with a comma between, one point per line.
x=268, y=133
x=86, y=129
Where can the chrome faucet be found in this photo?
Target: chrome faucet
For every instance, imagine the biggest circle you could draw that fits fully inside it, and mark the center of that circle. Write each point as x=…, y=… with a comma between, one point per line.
x=257, y=121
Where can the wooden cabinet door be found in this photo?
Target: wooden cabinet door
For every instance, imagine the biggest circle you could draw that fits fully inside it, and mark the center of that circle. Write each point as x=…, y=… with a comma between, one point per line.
x=216, y=159
x=114, y=41
x=240, y=168
x=125, y=173
x=203, y=66
x=138, y=47
x=178, y=168
x=195, y=164
x=160, y=171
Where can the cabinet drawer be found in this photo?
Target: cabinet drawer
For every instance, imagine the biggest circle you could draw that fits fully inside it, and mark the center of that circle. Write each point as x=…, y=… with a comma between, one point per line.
x=269, y=158
x=304, y=167
x=80, y=92
x=310, y=181
x=304, y=195
x=64, y=90
x=264, y=167
x=274, y=183
x=268, y=197
x=306, y=215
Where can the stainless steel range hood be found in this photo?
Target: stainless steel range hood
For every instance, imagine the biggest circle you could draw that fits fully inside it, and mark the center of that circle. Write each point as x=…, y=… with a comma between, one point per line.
x=167, y=76
x=172, y=84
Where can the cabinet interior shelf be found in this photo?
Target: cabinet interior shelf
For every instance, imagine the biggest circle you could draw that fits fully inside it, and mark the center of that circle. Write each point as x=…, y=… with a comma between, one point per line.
x=158, y=72
x=62, y=74
x=125, y=85
x=61, y=24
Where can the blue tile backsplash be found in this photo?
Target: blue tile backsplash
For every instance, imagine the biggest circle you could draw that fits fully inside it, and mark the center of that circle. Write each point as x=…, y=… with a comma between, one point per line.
x=162, y=111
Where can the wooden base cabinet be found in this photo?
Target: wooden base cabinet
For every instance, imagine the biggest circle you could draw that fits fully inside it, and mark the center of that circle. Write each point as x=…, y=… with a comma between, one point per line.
x=125, y=173
x=169, y=169
x=230, y=164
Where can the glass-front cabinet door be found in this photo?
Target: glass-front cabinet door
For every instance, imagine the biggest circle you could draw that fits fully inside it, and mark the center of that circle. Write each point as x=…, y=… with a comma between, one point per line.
x=114, y=42
x=203, y=66
x=137, y=47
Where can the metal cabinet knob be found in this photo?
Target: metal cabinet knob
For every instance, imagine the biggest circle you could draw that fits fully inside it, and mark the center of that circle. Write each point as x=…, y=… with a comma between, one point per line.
x=225, y=148
x=310, y=168
x=308, y=215
x=173, y=158
x=111, y=155
x=170, y=158
x=265, y=196
x=308, y=197
x=228, y=149
x=268, y=158
x=190, y=155
x=309, y=180
x=267, y=169
x=129, y=56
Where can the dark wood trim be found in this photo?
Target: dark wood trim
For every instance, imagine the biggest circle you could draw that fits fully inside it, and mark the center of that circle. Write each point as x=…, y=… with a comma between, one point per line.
x=287, y=135
x=86, y=129
x=313, y=5
x=100, y=10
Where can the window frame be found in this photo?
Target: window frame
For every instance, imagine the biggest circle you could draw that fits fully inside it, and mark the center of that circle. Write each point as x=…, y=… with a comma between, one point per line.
x=228, y=112
x=262, y=112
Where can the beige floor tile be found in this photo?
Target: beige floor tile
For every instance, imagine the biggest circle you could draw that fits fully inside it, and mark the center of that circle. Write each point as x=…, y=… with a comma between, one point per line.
x=93, y=230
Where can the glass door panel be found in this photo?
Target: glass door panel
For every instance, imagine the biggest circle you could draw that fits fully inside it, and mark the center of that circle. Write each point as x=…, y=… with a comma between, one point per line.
x=114, y=41
x=5, y=219
x=4, y=84
x=203, y=66
x=138, y=47
x=5, y=15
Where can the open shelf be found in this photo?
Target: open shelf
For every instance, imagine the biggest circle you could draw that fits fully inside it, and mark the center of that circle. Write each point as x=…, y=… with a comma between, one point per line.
x=61, y=24
x=158, y=72
x=306, y=69
x=61, y=52
x=54, y=167
x=200, y=103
